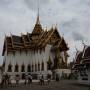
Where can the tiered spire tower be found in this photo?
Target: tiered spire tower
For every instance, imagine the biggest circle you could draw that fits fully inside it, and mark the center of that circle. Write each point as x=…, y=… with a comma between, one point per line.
x=37, y=28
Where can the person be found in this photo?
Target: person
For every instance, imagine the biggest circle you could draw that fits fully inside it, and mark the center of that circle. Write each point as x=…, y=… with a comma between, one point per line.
x=6, y=79
x=57, y=77
x=42, y=80
x=17, y=79
x=2, y=81
x=9, y=80
x=26, y=78
x=48, y=78
x=29, y=79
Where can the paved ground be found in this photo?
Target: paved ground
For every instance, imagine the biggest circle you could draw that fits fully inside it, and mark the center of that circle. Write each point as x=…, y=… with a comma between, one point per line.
x=61, y=85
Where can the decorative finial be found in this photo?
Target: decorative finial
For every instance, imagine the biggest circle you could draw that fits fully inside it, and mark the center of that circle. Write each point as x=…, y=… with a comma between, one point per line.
x=83, y=43
x=5, y=34
x=38, y=7
x=76, y=49
x=46, y=28
x=38, y=21
x=10, y=34
x=21, y=33
x=52, y=26
x=56, y=26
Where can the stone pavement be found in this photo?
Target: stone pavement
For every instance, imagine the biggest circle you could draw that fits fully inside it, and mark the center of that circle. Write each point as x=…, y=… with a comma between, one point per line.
x=61, y=85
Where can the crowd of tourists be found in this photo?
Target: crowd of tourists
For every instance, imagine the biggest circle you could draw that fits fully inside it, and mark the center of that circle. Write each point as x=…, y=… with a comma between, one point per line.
x=42, y=80
x=7, y=80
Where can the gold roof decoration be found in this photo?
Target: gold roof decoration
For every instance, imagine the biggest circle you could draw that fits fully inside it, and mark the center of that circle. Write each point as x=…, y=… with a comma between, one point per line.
x=38, y=39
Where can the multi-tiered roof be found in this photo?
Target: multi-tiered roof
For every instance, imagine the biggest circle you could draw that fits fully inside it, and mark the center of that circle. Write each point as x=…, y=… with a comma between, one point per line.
x=82, y=58
x=36, y=40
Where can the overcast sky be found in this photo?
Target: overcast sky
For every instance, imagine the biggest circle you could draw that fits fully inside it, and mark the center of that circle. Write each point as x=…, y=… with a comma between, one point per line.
x=71, y=16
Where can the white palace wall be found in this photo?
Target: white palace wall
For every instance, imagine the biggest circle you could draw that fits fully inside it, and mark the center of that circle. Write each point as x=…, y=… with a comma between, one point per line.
x=27, y=58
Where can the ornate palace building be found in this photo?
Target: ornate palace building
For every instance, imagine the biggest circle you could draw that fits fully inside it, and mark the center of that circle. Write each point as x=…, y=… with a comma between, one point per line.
x=35, y=52
x=81, y=67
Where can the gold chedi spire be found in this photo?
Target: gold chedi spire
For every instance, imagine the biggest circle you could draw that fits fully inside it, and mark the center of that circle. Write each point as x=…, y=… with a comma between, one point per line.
x=38, y=21
x=37, y=28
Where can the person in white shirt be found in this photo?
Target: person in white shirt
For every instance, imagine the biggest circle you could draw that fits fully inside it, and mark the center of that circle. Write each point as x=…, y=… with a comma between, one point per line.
x=29, y=79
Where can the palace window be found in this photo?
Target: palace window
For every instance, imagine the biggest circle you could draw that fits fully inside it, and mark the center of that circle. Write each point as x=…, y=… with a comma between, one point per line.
x=28, y=68
x=42, y=66
x=9, y=68
x=23, y=68
x=16, y=68
x=38, y=66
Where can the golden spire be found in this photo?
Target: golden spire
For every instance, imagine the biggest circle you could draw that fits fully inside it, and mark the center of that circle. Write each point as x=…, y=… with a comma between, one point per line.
x=38, y=28
x=38, y=21
x=52, y=27
x=56, y=26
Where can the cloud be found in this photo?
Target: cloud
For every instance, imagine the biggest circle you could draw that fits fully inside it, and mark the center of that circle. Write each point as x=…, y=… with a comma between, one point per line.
x=72, y=18
x=77, y=36
x=33, y=4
